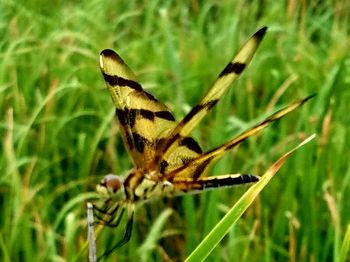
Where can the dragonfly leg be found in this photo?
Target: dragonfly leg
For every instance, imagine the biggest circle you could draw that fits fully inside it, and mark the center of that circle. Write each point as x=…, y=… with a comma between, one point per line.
x=126, y=237
x=107, y=215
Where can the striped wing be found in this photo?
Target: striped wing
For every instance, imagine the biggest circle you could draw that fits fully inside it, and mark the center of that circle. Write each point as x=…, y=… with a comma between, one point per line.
x=144, y=121
x=193, y=169
x=170, y=147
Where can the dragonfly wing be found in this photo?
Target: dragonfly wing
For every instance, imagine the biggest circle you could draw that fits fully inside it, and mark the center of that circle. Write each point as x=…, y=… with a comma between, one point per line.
x=195, y=167
x=143, y=120
x=169, y=147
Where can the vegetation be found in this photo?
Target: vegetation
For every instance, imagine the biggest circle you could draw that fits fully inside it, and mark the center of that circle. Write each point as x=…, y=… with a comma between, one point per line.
x=58, y=136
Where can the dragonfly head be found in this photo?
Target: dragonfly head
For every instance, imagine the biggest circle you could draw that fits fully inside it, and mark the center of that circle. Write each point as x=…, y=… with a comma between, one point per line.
x=111, y=187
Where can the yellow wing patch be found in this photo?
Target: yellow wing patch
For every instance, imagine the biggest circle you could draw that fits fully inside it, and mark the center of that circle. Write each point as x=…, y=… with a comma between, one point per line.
x=144, y=121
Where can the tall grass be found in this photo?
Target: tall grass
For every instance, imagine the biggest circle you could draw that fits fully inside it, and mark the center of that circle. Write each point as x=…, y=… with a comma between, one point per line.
x=58, y=136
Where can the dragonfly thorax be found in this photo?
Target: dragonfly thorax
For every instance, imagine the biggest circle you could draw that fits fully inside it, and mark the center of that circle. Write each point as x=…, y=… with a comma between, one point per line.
x=112, y=187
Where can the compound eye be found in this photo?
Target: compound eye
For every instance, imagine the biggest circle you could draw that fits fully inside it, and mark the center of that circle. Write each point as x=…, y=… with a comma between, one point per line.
x=112, y=183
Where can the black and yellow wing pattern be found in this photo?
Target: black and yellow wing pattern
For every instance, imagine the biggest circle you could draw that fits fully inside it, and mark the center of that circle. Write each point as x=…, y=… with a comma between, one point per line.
x=168, y=161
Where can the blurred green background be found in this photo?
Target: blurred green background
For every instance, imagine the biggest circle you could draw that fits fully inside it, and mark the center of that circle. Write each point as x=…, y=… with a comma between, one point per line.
x=58, y=136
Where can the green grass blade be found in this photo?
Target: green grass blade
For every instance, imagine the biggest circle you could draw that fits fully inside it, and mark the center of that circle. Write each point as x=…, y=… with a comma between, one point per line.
x=223, y=227
x=150, y=242
x=344, y=251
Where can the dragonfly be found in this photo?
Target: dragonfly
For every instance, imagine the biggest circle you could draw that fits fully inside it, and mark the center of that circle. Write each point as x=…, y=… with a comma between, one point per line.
x=167, y=160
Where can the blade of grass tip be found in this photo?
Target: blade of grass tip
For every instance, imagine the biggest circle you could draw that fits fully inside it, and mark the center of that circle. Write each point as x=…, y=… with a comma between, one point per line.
x=344, y=251
x=225, y=224
x=91, y=232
